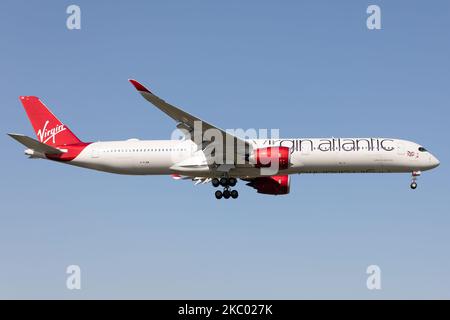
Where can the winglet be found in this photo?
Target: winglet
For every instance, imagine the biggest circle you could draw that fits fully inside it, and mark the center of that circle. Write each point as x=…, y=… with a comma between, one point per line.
x=139, y=87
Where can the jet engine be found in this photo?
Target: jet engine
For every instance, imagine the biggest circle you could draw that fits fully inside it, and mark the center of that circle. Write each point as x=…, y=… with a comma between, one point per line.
x=275, y=185
x=265, y=157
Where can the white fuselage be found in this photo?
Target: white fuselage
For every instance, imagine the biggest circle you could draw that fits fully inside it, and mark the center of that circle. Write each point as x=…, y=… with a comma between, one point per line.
x=328, y=155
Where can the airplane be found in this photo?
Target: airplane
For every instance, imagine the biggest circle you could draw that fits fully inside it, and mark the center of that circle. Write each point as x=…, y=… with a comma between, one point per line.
x=193, y=158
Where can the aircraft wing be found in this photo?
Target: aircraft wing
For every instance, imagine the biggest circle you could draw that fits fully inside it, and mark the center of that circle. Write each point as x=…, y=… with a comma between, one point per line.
x=187, y=121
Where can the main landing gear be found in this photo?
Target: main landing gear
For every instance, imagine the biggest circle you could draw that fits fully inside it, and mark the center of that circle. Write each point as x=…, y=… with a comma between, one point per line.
x=226, y=183
x=413, y=184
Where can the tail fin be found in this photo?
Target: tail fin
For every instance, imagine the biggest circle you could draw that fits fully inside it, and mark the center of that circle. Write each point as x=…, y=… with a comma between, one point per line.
x=48, y=128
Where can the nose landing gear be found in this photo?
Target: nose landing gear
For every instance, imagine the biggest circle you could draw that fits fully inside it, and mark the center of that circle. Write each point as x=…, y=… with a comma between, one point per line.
x=413, y=184
x=226, y=183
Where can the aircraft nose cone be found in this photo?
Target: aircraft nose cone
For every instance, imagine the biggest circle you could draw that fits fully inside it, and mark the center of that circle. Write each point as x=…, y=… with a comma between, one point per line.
x=434, y=162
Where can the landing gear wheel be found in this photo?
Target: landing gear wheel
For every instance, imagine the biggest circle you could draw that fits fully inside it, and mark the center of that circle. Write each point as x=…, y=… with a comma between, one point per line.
x=218, y=194
x=215, y=182
x=234, y=194
x=226, y=194
x=415, y=174
x=223, y=182
x=232, y=182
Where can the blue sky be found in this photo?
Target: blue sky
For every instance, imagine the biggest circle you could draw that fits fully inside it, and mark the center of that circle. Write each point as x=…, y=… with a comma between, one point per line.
x=309, y=68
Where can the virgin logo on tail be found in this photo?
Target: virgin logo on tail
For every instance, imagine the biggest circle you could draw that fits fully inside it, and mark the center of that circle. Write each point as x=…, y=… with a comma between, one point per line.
x=45, y=134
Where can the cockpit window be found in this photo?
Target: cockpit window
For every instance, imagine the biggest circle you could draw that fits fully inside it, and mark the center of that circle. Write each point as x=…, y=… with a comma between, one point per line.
x=422, y=149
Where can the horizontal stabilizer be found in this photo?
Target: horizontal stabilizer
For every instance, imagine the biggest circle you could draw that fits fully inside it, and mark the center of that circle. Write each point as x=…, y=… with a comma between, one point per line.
x=34, y=144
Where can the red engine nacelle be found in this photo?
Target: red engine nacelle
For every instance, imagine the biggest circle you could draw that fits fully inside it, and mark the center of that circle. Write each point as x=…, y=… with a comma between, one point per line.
x=271, y=185
x=265, y=157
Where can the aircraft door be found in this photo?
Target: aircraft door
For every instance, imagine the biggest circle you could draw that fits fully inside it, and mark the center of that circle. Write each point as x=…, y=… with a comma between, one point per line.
x=94, y=153
x=401, y=148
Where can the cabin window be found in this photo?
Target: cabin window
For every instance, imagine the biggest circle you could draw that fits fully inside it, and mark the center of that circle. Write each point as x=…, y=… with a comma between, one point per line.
x=422, y=149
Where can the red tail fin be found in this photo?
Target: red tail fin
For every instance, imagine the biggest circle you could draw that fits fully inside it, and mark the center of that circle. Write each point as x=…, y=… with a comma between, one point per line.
x=48, y=128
